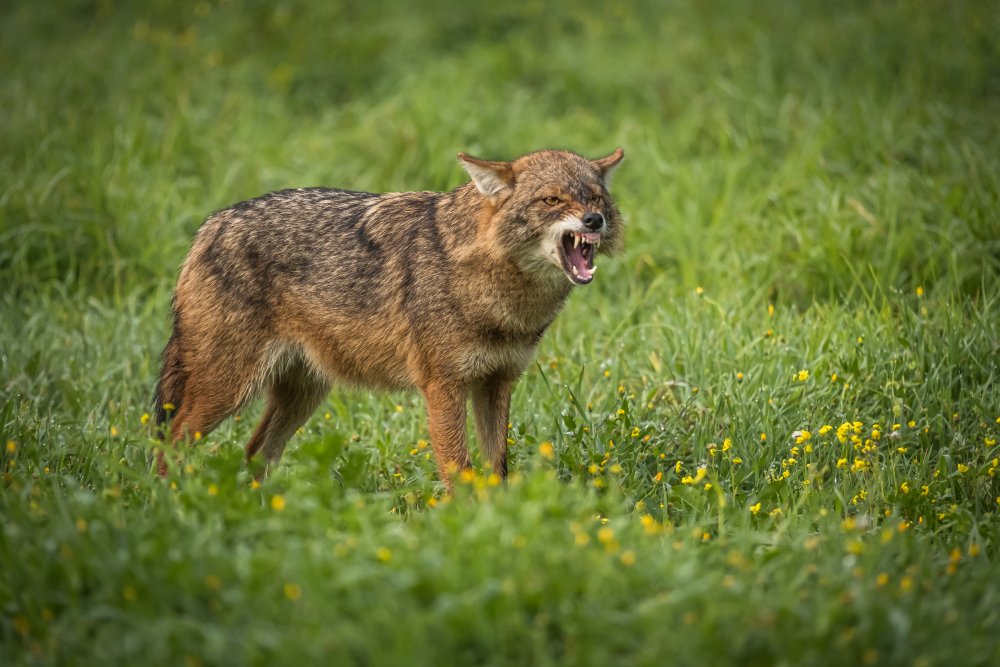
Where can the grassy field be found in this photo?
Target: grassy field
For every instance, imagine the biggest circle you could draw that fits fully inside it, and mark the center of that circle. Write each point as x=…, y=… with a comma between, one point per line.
x=766, y=435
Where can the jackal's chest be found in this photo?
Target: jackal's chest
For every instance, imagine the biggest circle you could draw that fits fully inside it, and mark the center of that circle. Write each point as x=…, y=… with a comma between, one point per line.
x=479, y=361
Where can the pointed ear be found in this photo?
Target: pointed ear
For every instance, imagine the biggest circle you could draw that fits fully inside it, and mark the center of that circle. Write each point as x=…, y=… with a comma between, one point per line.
x=606, y=165
x=492, y=178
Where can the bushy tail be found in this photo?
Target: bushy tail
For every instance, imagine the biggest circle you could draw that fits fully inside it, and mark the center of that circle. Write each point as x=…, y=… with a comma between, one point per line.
x=173, y=377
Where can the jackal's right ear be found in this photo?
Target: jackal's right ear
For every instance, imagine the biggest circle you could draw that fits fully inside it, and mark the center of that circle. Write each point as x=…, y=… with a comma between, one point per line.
x=491, y=178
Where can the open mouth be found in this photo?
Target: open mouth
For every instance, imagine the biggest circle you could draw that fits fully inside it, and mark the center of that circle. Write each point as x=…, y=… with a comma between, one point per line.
x=578, y=250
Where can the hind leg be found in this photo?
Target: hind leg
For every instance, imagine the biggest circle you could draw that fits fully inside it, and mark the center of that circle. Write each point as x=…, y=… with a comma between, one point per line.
x=291, y=398
x=207, y=401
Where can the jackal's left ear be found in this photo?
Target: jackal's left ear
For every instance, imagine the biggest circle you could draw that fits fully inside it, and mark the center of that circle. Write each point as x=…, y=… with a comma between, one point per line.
x=606, y=165
x=492, y=178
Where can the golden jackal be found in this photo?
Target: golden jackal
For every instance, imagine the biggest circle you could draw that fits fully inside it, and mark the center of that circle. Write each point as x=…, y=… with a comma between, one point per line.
x=446, y=292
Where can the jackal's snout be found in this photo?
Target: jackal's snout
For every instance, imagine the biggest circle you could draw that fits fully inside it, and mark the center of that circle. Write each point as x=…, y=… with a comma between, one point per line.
x=594, y=222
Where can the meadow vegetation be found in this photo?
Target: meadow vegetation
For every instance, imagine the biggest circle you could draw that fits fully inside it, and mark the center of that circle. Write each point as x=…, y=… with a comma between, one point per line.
x=766, y=434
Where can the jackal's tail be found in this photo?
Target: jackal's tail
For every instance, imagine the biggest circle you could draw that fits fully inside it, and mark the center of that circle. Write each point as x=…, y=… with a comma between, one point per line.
x=170, y=385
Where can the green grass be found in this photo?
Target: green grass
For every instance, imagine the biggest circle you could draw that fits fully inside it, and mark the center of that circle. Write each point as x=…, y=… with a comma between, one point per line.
x=808, y=187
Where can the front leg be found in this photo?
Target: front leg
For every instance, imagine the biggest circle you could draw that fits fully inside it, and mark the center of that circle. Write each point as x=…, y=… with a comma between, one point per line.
x=491, y=405
x=446, y=422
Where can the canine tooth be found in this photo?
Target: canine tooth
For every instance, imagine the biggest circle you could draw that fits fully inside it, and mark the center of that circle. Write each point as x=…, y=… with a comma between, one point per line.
x=593, y=269
x=575, y=272
x=576, y=240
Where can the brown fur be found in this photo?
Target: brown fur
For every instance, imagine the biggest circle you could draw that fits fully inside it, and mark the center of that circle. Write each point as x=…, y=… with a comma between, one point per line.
x=448, y=293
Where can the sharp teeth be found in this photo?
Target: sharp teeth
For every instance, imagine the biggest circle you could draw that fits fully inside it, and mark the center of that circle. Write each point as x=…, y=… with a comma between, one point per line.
x=575, y=272
x=593, y=270
x=576, y=240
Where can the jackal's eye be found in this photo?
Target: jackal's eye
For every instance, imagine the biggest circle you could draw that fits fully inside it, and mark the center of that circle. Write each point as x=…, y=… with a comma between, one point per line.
x=596, y=199
x=551, y=201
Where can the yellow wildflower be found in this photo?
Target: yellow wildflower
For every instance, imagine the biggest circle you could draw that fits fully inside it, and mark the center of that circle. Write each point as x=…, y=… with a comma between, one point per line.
x=962, y=468
x=546, y=450
x=824, y=429
x=677, y=468
x=627, y=558
x=755, y=508
x=11, y=447
x=904, y=487
x=802, y=375
x=278, y=503
x=737, y=460
x=726, y=444
x=920, y=290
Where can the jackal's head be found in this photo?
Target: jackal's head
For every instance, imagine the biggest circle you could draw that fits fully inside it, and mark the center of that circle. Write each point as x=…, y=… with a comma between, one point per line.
x=550, y=211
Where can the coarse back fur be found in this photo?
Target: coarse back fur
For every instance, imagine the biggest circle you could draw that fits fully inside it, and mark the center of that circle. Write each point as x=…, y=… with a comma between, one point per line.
x=449, y=293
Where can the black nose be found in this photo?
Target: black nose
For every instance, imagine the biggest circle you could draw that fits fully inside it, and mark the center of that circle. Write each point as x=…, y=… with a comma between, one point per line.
x=593, y=221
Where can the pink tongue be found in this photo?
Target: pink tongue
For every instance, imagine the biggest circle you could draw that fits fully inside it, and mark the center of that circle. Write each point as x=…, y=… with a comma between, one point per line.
x=575, y=258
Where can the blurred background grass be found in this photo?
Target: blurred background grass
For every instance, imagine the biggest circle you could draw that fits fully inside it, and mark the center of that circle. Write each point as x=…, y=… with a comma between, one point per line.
x=808, y=187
